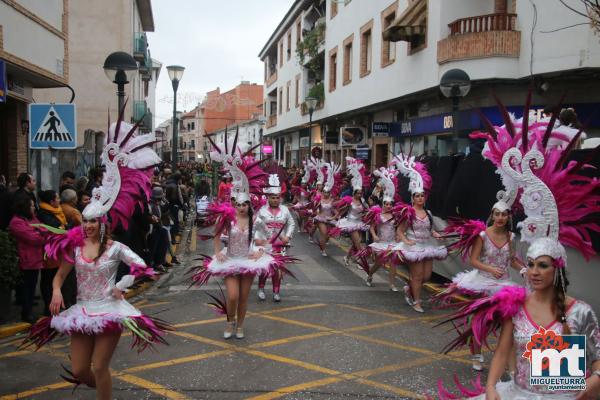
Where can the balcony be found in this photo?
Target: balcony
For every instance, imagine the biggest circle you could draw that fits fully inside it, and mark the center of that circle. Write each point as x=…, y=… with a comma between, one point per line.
x=141, y=112
x=271, y=80
x=140, y=46
x=482, y=36
x=146, y=67
x=271, y=121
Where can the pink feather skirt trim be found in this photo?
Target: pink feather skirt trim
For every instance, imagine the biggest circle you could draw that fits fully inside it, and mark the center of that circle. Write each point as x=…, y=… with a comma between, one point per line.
x=346, y=225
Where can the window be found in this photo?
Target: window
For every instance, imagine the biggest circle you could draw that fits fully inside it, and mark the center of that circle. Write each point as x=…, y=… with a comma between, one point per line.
x=388, y=49
x=348, y=59
x=333, y=69
x=297, y=90
x=334, y=8
x=193, y=144
x=298, y=32
x=287, y=96
x=193, y=125
x=289, y=45
x=280, y=101
x=366, y=48
x=281, y=53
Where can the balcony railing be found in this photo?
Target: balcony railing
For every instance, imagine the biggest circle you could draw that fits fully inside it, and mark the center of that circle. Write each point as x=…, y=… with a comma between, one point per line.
x=483, y=23
x=141, y=111
x=272, y=79
x=271, y=121
x=140, y=46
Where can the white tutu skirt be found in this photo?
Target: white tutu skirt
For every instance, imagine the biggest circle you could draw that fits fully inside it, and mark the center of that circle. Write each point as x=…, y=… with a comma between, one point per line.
x=510, y=391
x=240, y=266
x=382, y=247
x=422, y=250
x=475, y=282
x=93, y=317
x=347, y=225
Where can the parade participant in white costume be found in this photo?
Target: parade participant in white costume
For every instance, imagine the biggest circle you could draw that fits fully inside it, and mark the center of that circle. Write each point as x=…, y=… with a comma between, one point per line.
x=325, y=211
x=354, y=208
x=384, y=228
x=276, y=230
x=419, y=245
x=241, y=260
x=96, y=321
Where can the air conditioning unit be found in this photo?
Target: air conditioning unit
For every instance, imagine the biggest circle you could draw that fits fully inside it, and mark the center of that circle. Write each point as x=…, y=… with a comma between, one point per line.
x=353, y=135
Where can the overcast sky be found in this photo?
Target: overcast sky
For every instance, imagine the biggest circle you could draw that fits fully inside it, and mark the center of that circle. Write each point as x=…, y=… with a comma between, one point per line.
x=217, y=41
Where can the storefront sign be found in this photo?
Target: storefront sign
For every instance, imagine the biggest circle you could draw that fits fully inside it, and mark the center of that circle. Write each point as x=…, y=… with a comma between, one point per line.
x=381, y=128
x=3, y=85
x=469, y=120
x=362, y=153
x=267, y=149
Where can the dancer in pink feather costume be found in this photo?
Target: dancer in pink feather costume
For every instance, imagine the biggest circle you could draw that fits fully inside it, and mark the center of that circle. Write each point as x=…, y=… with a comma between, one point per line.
x=96, y=321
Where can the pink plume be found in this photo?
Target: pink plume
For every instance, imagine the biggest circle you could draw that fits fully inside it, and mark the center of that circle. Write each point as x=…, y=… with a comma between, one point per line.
x=135, y=191
x=403, y=212
x=421, y=168
x=62, y=246
x=467, y=232
x=372, y=217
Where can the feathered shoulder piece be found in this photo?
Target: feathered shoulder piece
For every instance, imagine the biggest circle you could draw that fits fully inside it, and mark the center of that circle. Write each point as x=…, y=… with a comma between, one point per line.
x=128, y=157
x=372, y=217
x=221, y=215
x=479, y=318
x=345, y=201
x=404, y=213
x=61, y=244
x=465, y=233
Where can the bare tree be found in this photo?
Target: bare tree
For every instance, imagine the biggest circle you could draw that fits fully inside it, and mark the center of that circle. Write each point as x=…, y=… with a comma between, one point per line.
x=591, y=12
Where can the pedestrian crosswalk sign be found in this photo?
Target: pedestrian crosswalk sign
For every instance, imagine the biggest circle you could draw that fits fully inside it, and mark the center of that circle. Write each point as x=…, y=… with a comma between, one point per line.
x=52, y=125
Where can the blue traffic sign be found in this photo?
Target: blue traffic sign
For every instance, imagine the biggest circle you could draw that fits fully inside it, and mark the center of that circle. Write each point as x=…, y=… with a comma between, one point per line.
x=52, y=125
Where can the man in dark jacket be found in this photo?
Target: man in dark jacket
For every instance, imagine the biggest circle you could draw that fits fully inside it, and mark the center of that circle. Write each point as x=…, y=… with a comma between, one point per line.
x=175, y=199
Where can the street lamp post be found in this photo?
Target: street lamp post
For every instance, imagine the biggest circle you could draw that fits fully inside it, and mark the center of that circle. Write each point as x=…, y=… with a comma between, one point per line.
x=175, y=75
x=455, y=84
x=119, y=68
x=311, y=103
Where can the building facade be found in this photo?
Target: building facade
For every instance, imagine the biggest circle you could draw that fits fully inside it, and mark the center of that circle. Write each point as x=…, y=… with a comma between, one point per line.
x=98, y=29
x=250, y=136
x=34, y=53
x=375, y=68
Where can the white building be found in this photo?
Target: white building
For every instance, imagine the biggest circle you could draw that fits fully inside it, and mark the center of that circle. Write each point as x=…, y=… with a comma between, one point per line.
x=34, y=53
x=250, y=135
x=378, y=94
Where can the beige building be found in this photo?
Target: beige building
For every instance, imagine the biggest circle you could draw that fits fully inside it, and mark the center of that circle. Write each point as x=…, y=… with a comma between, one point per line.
x=34, y=51
x=98, y=28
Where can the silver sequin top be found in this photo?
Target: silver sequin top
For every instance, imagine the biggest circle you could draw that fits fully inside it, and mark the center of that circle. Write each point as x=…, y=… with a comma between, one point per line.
x=355, y=212
x=420, y=230
x=96, y=278
x=238, y=245
x=386, y=230
x=326, y=210
x=581, y=320
x=497, y=256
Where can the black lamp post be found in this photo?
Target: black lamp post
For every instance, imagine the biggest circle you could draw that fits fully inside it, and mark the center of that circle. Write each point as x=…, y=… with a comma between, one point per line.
x=120, y=67
x=175, y=75
x=455, y=84
x=311, y=104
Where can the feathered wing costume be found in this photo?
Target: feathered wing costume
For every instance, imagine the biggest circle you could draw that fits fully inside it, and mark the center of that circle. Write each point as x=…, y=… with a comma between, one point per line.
x=248, y=183
x=561, y=208
x=128, y=158
x=419, y=230
x=354, y=212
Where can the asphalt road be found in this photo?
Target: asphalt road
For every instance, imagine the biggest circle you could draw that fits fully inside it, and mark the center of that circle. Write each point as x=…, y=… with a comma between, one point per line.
x=331, y=337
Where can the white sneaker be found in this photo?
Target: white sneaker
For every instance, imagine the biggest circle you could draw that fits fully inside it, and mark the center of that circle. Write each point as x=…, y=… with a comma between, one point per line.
x=239, y=333
x=310, y=239
x=229, y=330
x=417, y=307
x=276, y=297
x=393, y=288
x=369, y=281
x=261, y=294
x=323, y=253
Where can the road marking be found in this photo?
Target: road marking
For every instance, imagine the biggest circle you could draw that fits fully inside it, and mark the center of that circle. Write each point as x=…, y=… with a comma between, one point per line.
x=154, y=304
x=366, y=310
x=177, y=361
x=152, y=386
x=292, y=339
x=205, y=340
x=389, y=388
x=294, y=308
x=298, y=323
x=295, y=388
x=199, y=322
x=38, y=390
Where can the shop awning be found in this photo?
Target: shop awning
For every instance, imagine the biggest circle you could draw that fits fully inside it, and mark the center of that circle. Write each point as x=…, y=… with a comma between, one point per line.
x=412, y=22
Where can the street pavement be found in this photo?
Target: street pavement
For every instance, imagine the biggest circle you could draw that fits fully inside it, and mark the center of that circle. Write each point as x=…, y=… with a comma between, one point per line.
x=331, y=337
